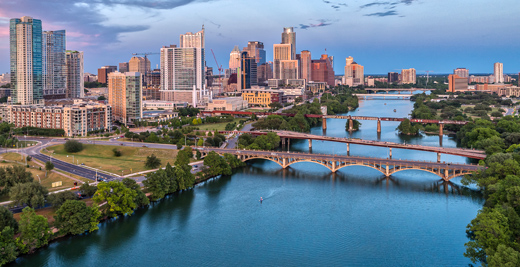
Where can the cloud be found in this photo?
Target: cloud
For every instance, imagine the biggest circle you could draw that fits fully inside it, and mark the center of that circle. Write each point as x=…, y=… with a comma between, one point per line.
x=334, y=5
x=375, y=4
x=382, y=14
x=322, y=23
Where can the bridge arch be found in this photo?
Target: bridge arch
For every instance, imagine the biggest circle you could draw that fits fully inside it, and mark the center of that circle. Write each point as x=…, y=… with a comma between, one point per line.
x=270, y=159
x=393, y=171
x=299, y=161
x=363, y=165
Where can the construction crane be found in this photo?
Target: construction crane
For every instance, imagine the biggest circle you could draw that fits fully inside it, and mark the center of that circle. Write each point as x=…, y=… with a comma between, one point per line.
x=219, y=67
x=145, y=82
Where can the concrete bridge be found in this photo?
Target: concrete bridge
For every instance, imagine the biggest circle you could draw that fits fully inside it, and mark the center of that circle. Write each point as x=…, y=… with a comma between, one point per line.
x=384, y=96
x=387, y=167
x=396, y=89
x=286, y=136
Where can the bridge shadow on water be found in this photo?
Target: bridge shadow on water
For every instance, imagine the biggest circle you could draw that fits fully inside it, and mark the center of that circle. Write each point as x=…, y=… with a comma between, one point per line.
x=411, y=180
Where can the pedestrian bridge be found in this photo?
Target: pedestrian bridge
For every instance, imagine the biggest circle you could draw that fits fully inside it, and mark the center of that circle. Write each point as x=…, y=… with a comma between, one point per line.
x=387, y=167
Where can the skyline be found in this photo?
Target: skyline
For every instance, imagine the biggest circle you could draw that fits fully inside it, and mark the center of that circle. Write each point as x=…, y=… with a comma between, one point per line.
x=426, y=35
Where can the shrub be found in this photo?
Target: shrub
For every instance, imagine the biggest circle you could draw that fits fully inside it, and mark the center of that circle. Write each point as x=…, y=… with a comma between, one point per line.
x=117, y=152
x=73, y=146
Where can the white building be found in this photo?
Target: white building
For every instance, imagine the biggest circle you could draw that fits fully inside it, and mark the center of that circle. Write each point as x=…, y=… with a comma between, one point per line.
x=498, y=72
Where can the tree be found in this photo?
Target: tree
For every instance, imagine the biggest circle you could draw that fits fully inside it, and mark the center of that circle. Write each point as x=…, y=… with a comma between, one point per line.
x=117, y=152
x=57, y=199
x=496, y=114
x=87, y=190
x=405, y=127
x=74, y=217
x=101, y=98
x=198, y=155
x=33, y=194
x=48, y=167
x=157, y=184
x=152, y=162
x=73, y=146
x=34, y=230
x=11, y=176
x=8, y=247
x=140, y=199
x=505, y=256
x=216, y=165
x=115, y=198
x=7, y=220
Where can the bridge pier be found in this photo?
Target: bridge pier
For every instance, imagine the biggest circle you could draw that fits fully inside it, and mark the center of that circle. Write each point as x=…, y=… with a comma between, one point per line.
x=310, y=143
x=378, y=126
x=324, y=123
x=387, y=171
x=390, y=152
x=348, y=149
x=440, y=129
x=438, y=157
x=350, y=124
x=283, y=142
x=288, y=144
x=446, y=174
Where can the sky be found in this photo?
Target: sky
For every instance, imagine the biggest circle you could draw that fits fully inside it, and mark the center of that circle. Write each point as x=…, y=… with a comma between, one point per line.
x=383, y=36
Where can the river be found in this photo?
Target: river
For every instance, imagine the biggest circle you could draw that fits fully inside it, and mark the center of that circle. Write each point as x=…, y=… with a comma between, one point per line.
x=309, y=217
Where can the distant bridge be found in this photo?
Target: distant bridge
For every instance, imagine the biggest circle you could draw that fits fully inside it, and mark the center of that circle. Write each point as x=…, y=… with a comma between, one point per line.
x=470, y=153
x=384, y=96
x=397, y=89
x=387, y=167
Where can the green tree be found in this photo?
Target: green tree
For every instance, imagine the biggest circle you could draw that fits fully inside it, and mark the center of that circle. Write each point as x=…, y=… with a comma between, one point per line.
x=7, y=220
x=73, y=146
x=101, y=98
x=216, y=165
x=57, y=199
x=406, y=127
x=8, y=248
x=198, y=155
x=505, y=257
x=33, y=194
x=140, y=199
x=11, y=176
x=87, y=190
x=34, y=230
x=117, y=152
x=152, y=162
x=74, y=217
x=153, y=138
x=115, y=198
x=157, y=184
x=233, y=161
x=48, y=167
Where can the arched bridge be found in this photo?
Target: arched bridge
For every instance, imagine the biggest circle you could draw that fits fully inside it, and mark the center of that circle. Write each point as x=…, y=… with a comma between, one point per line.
x=387, y=167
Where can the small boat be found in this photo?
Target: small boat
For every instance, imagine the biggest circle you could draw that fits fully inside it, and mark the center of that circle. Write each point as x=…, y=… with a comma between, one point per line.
x=395, y=110
x=261, y=200
x=385, y=104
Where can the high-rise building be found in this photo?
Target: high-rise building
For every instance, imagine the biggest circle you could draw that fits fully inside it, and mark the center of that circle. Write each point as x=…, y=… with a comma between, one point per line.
x=264, y=73
x=234, y=58
x=247, y=73
x=53, y=64
x=26, y=61
x=139, y=64
x=461, y=72
x=456, y=83
x=305, y=65
x=408, y=76
x=393, y=77
x=74, y=72
x=499, y=72
x=103, y=73
x=182, y=72
x=354, y=73
x=280, y=52
x=322, y=70
x=289, y=69
x=192, y=40
x=256, y=50
x=289, y=37
x=125, y=96
x=124, y=67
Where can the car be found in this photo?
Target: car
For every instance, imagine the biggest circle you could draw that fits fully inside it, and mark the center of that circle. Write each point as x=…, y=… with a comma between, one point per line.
x=122, y=144
x=65, y=138
x=83, y=164
x=195, y=166
x=145, y=146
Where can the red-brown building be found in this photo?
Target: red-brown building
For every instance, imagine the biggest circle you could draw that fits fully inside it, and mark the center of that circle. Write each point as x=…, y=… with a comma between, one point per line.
x=322, y=70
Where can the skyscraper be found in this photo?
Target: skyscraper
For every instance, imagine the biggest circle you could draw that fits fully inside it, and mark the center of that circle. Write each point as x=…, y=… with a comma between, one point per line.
x=74, y=72
x=280, y=52
x=289, y=37
x=26, y=61
x=305, y=65
x=461, y=72
x=256, y=50
x=53, y=64
x=247, y=73
x=124, y=67
x=393, y=77
x=322, y=70
x=125, y=95
x=289, y=69
x=103, y=73
x=408, y=76
x=139, y=64
x=192, y=40
x=354, y=73
x=499, y=72
x=234, y=58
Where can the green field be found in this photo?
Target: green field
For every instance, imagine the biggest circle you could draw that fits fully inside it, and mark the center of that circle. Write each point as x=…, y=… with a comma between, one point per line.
x=102, y=157
x=216, y=126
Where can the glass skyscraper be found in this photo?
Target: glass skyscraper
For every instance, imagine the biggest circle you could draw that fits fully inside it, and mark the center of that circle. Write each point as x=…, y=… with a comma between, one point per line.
x=26, y=60
x=54, y=68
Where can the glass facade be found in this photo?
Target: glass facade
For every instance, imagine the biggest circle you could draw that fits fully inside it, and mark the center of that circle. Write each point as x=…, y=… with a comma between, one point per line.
x=134, y=97
x=53, y=63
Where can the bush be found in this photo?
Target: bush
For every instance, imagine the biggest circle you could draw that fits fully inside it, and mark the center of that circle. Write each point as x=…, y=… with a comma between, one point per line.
x=73, y=146
x=117, y=153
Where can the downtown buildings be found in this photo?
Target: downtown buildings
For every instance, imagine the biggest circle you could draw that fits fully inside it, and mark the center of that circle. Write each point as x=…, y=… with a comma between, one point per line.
x=125, y=96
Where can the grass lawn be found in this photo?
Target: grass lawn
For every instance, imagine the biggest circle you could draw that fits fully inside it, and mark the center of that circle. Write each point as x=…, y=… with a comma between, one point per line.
x=221, y=126
x=49, y=212
x=35, y=170
x=102, y=157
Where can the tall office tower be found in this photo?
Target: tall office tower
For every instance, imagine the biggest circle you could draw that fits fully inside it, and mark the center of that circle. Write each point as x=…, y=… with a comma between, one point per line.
x=393, y=77
x=125, y=95
x=234, y=58
x=264, y=73
x=26, y=61
x=289, y=69
x=182, y=71
x=354, y=73
x=461, y=72
x=289, y=37
x=256, y=50
x=139, y=64
x=247, y=73
x=192, y=40
x=499, y=72
x=456, y=83
x=74, y=72
x=280, y=52
x=322, y=70
x=103, y=73
x=408, y=76
x=124, y=67
x=53, y=64
x=305, y=65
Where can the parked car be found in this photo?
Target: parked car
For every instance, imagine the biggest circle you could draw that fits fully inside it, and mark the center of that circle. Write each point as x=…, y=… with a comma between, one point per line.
x=122, y=144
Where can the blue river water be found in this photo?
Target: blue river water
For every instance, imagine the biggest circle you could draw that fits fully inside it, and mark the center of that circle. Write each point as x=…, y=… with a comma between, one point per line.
x=309, y=216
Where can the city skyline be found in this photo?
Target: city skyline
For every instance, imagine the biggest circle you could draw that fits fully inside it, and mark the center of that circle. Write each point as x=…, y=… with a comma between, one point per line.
x=385, y=36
